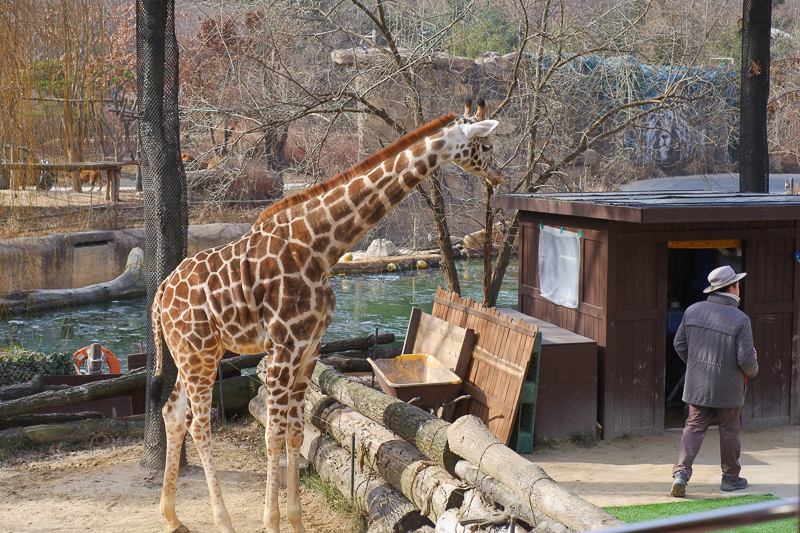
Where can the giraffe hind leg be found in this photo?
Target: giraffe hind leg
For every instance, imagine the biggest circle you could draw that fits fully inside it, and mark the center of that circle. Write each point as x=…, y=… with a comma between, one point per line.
x=174, y=412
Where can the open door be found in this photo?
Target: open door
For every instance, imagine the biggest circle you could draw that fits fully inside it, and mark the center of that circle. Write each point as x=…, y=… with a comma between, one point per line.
x=689, y=265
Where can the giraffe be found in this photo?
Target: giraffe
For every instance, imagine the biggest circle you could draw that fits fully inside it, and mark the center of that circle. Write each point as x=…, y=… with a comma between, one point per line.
x=268, y=291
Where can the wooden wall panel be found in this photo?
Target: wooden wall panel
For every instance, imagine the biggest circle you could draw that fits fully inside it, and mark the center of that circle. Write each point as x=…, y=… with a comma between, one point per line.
x=633, y=361
x=589, y=318
x=769, y=291
x=499, y=364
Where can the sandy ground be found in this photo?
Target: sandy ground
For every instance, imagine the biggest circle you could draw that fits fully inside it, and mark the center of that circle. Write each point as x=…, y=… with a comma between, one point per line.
x=60, y=197
x=631, y=471
x=106, y=489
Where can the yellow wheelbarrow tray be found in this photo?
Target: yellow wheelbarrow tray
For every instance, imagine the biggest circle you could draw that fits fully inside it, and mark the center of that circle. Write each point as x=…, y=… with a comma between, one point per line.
x=418, y=377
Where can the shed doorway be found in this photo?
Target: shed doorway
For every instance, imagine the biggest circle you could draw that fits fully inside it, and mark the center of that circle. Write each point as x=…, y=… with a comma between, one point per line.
x=689, y=263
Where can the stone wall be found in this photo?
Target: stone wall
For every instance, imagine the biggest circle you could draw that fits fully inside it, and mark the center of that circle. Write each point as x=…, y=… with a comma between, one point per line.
x=72, y=260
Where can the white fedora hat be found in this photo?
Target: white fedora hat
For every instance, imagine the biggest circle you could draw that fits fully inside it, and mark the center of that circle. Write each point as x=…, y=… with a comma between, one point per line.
x=721, y=277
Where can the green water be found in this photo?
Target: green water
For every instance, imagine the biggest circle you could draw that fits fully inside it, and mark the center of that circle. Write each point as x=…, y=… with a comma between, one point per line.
x=363, y=302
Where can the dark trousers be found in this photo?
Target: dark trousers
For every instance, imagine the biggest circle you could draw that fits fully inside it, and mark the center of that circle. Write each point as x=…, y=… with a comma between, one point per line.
x=730, y=446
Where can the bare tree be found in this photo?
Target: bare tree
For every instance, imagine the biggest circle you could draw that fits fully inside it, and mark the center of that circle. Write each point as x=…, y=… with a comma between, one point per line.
x=577, y=88
x=321, y=84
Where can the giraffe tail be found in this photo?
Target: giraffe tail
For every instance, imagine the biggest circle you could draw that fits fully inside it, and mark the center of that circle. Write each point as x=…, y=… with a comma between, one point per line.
x=157, y=381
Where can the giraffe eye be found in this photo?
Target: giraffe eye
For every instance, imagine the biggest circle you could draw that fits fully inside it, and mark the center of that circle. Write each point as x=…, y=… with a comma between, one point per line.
x=486, y=147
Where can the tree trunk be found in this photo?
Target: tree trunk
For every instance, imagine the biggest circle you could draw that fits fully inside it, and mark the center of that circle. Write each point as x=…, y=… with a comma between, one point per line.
x=476, y=515
x=18, y=390
x=511, y=502
x=423, y=430
x=357, y=361
x=754, y=82
x=165, y=201
x=237, y=392
x=448, y=263
x=501, y=263
x=97, y=390
x=128, y=285
x=358, y=343
x=472, y=440
x=429, y=486
x=48, y=418
x=388, y=510
x=72, y=431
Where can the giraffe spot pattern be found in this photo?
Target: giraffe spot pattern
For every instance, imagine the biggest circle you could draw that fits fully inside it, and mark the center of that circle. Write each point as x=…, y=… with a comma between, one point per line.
x=269, y=291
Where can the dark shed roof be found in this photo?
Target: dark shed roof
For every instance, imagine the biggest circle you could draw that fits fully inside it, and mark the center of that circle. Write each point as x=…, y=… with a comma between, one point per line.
x=658, y=207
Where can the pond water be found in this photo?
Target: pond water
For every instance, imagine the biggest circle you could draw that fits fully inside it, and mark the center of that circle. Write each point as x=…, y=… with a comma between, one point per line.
x=363, y=302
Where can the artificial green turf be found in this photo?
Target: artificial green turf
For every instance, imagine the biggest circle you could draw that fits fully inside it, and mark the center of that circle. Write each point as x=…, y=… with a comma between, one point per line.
x=639, y=513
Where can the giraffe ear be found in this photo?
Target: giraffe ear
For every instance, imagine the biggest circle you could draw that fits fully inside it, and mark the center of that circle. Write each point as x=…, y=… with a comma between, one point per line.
x=479, y=129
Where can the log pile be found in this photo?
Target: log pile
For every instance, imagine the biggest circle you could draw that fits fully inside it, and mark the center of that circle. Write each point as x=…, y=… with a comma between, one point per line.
x=410, y=467
x=21, y=404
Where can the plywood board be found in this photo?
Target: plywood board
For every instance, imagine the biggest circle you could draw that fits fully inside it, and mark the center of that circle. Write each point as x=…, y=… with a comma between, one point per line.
x=499, y=364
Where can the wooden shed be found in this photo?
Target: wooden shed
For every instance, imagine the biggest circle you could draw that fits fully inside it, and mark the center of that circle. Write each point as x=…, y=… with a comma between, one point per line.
x=644, y=258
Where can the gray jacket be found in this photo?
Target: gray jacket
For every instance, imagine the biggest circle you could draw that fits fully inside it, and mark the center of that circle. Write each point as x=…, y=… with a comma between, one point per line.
x=716, y=342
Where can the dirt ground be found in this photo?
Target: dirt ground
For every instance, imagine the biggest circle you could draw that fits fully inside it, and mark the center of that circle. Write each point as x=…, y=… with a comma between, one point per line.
x=106, y=489
x=30, y=212
x=638, y=470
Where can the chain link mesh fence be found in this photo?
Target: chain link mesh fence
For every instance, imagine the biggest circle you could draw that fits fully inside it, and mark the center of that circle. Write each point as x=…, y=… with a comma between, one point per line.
x=753, y=150
x=164, y=183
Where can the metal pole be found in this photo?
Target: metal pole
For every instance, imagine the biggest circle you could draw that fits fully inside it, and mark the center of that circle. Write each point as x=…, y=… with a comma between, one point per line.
x=352, y=465
x=374, y=355
x=221, y=396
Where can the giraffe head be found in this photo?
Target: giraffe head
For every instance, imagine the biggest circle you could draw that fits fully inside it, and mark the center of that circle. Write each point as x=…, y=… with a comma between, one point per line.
x=470, y=134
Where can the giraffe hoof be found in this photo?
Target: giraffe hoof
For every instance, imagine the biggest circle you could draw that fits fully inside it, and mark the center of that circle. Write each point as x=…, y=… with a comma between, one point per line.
x=181, y=529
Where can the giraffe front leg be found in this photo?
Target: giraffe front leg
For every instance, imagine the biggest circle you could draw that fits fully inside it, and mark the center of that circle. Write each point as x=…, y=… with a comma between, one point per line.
x=201, y=434
x=174, y=413
x=294, y=439
x=274, y=438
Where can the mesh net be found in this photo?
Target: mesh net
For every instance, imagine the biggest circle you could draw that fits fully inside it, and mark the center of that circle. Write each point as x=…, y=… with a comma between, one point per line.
x=756, y=23
x=18, y=365
x=164, y=179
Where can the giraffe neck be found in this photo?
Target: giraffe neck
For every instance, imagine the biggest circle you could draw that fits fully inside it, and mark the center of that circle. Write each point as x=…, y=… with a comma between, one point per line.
x=338, y=218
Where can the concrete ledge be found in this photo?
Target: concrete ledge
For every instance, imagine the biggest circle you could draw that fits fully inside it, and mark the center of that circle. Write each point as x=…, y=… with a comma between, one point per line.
x=72, y=260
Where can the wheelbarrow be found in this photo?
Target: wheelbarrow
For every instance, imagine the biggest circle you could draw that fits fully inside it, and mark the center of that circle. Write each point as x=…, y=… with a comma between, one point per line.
x=418, y=379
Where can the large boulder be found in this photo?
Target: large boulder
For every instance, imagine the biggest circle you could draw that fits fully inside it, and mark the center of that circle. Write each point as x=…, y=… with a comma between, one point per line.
x=382, y=248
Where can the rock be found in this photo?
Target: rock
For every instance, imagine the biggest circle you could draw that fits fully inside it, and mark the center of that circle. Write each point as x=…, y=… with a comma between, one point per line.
x=381, y=248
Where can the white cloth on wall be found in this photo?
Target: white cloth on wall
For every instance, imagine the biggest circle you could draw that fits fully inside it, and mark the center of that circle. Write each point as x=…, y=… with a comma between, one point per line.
x=559, y=265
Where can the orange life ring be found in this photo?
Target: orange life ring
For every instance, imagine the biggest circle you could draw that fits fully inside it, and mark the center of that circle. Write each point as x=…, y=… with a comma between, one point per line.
x=110, y=359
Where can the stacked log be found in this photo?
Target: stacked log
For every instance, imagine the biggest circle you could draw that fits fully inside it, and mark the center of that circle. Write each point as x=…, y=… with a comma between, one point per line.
x=21, y=403
x=450, y=473
x=388, y=510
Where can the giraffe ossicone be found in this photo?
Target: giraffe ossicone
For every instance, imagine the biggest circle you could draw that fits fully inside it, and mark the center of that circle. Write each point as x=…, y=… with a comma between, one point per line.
x=268, y=291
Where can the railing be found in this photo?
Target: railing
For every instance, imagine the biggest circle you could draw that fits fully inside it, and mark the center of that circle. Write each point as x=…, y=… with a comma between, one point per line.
x=742, y=515
x=67, y=167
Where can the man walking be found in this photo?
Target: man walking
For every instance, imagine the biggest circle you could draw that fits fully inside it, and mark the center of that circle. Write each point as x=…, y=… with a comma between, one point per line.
x=716, y=342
